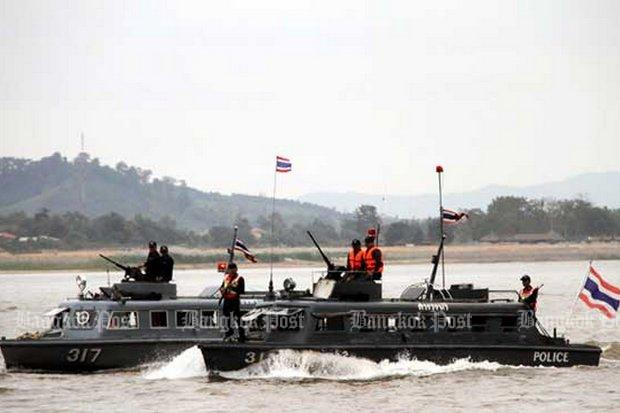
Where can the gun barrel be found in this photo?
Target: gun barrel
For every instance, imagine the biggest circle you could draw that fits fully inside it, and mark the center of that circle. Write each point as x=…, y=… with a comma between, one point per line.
x=121, y=266
x=316, y=244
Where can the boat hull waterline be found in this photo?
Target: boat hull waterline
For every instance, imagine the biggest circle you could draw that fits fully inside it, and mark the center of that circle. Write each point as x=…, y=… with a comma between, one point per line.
x=228, y=357
x=88, y=355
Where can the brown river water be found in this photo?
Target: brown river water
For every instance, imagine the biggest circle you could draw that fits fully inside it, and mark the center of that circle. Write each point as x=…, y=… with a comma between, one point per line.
x=325, y=383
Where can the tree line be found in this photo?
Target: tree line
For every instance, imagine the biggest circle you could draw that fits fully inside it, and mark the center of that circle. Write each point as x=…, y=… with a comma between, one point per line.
x=573, y=220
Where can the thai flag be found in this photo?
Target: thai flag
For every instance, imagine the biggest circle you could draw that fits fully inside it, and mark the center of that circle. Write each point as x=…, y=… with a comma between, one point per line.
x=240, y=246
x=283, y=164
x=600, y=295
x=452, y=217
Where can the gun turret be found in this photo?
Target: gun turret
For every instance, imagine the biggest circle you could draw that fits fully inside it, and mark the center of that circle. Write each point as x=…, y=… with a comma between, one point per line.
x=130, y=272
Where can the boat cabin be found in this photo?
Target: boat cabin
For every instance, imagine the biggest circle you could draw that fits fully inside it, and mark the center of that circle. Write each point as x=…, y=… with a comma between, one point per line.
x=140, y=310
x=393, y=321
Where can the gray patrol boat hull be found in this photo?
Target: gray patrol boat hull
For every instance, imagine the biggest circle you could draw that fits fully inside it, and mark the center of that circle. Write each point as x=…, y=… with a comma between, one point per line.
x=227, y=357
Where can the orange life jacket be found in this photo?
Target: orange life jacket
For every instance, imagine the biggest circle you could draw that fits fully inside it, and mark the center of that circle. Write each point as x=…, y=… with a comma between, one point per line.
x=371, y=265
x=355, y=260
x=523, y=294
x=230, y=280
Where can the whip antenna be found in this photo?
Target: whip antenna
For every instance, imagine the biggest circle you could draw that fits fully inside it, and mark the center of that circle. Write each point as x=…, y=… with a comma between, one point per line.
x=442, y=235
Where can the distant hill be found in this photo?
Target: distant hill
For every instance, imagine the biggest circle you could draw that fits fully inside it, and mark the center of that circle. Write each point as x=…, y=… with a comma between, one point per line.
x=85, y=186
x=599, y=188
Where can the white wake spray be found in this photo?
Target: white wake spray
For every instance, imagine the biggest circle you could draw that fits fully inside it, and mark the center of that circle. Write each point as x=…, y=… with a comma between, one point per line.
x=308, y=365
x=186, y=365
x=303, y=365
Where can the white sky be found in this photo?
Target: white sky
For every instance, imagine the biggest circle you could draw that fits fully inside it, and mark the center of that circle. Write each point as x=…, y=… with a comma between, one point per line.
x=362, y=96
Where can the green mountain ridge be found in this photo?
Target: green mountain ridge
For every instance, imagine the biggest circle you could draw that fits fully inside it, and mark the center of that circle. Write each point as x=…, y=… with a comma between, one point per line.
x=86, y=186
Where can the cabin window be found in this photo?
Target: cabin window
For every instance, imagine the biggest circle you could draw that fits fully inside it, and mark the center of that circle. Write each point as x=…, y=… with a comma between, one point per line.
x=445, y=323
x=83, y=319
x=208, y=319
x=452, y=323
x=123, y=320
x=60, y=317
x=159, y=319
x=330, y=324
x=478, y=324
x=509, y=324
x=58, y=322
x=187, y=318
x=417, y=324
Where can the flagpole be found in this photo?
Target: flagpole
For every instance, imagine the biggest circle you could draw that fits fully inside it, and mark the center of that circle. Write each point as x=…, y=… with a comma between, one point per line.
x=231, y=253
x=273, y=213
x=583, y=284
x=439, y=170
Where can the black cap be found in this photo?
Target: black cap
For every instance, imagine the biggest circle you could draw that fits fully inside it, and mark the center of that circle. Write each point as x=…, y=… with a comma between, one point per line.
x=231, y=266
x=526, y=278
x=163, y=249
x=152, y=244
x=369, y=239
x=356, y=243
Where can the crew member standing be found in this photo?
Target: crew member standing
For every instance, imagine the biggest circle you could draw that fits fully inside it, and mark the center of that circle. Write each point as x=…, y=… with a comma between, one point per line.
x=232, y=288
x=373, y=259
x=528, y=294
x=152, y=264
x=166, y=264
x=355, y=259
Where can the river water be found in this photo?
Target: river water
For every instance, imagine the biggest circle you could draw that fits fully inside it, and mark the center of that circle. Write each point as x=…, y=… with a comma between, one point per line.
x=313, y=382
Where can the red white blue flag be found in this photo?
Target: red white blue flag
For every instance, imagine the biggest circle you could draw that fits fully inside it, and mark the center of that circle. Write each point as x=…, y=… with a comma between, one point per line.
x=600, y=295
x=240, y=246
x=452, y=217
x=283, y=164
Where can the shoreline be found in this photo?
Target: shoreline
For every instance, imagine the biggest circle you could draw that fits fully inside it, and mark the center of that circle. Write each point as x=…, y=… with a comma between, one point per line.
x=189, y=258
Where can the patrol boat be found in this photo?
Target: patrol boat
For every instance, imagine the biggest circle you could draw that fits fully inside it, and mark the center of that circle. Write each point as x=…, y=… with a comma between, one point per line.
x=439, y=325
x=119, y=327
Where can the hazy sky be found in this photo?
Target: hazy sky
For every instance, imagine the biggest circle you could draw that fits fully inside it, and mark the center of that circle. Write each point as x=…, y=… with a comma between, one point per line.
x=362, y=96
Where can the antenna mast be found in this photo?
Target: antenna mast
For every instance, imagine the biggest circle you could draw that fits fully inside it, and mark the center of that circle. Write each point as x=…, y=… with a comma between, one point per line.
x=442, y=235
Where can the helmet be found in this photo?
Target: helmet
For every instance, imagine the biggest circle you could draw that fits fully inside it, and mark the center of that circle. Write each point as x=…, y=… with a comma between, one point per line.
x=163, y=249
x=356, y=243
x=526, y=278
x=152, y=244
x=369, y=239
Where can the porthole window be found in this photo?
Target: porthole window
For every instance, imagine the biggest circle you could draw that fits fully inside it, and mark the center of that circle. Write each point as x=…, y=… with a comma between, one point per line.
x=159, y=319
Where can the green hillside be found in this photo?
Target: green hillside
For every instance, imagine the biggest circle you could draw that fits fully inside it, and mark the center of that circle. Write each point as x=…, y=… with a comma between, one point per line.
x=86, y=186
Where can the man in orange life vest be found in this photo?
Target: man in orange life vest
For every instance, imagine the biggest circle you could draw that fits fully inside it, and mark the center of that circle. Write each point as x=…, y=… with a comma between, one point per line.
x=355, y=259
x=529, y=294
x=232, y=288
x=373, y=260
